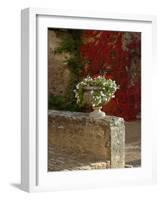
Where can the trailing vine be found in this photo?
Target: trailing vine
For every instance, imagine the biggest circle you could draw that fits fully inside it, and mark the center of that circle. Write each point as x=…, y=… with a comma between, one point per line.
x=70, y=43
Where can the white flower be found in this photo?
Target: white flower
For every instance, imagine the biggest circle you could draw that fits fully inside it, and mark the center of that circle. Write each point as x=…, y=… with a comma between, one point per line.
x=77, y=86
x=108, y=88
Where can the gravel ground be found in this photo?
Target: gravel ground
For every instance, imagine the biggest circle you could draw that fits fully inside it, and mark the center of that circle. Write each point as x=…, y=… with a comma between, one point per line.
x=133, y=143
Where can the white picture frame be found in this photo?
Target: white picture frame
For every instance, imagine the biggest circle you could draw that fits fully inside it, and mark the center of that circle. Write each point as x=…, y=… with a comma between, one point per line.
x=34, y=176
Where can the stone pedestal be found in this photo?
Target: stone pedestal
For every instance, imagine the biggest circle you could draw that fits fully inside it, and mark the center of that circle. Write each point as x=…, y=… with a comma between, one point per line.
x=87, y=138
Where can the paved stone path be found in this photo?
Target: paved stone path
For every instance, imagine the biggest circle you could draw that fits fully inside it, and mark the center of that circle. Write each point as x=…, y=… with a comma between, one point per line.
x=60, y=161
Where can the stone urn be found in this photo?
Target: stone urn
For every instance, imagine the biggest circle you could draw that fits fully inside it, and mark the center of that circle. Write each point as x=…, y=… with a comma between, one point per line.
x=88, y=100
x=97, y=113
x=94, y=93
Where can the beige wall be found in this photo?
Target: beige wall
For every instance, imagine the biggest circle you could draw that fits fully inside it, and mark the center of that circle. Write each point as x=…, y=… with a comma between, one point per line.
x=58, y=72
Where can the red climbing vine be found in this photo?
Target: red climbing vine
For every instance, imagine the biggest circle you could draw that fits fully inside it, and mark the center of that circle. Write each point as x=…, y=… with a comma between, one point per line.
x=117, y=55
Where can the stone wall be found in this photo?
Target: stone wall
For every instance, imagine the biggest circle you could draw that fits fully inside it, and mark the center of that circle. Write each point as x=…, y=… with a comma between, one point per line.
x=58, y=72
x=76, y=134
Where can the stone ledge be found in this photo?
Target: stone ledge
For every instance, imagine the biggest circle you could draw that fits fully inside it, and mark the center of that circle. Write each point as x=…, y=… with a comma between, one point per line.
x=96, y=140
x=108, y=120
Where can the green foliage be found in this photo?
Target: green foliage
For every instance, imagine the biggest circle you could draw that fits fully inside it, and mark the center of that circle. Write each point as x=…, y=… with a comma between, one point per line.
x=61, y=103
x=56, y=102
x=70, y=43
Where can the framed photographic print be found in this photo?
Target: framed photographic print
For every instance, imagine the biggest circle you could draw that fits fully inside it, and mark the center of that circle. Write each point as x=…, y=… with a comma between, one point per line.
x=86, y=108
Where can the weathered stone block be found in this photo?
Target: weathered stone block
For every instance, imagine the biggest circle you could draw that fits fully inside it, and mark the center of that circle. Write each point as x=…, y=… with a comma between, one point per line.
x=90, y=139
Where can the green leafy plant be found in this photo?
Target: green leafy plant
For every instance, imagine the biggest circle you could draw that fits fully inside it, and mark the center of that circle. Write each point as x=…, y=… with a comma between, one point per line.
x=56, y=102
x=70, y=43
x=101, y=90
